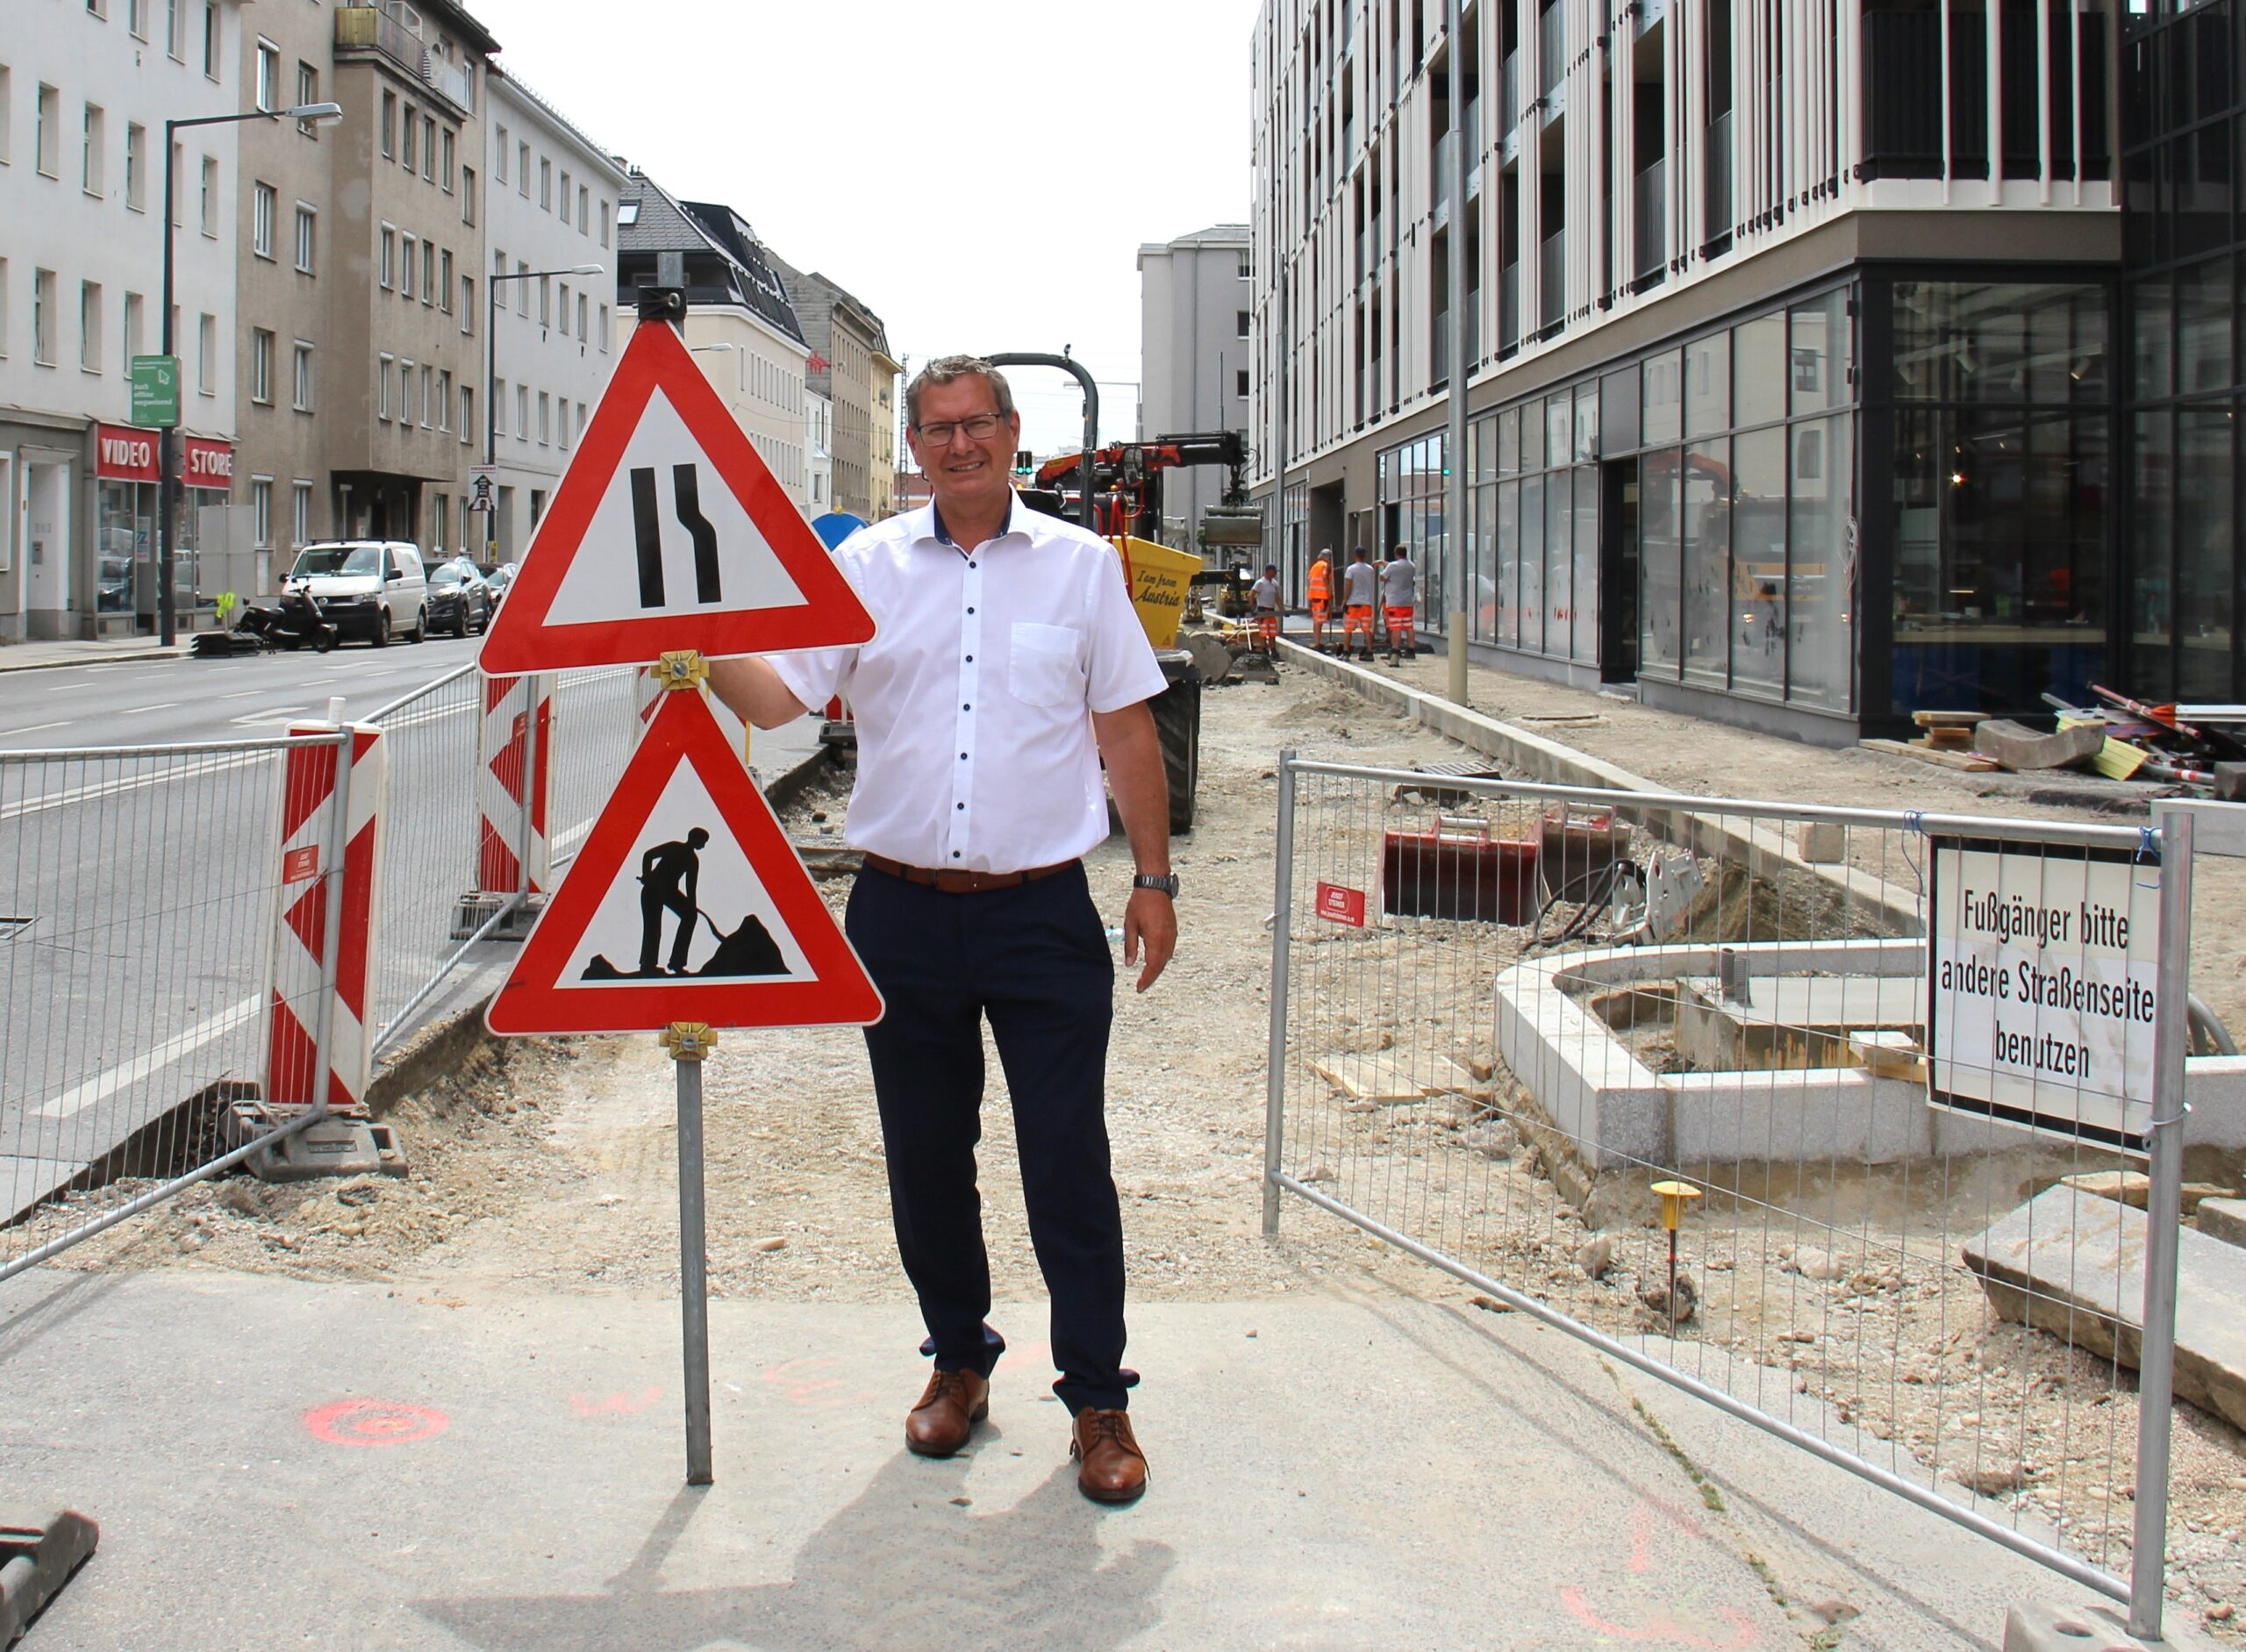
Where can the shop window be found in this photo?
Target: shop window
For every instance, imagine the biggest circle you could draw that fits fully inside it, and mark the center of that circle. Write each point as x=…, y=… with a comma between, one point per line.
x=1758, y=549
x=1707, y=385
x=1663, y=418
x=1706, y=542
x=1821, y=565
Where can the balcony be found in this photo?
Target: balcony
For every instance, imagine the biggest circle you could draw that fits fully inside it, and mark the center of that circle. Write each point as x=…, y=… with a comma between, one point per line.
x=1649, y=226
x=1551, y=55
x=382, y=29
x=1552, y=279
x=1649, y=14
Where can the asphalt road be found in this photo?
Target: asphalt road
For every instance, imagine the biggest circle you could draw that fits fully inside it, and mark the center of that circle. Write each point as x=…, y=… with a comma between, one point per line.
x=159, y=701
x=137, y=893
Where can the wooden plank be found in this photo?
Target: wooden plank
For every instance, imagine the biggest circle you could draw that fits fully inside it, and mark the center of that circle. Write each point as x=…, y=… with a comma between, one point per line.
x=1948, y=719
x=1966, y=761
x=1368, y=1079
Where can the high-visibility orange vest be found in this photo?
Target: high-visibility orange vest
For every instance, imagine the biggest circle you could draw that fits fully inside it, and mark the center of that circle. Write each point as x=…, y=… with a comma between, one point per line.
x=1321, y=587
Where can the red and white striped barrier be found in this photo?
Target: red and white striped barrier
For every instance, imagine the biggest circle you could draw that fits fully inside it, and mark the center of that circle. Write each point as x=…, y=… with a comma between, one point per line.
x=501, y=868
x=300, y=934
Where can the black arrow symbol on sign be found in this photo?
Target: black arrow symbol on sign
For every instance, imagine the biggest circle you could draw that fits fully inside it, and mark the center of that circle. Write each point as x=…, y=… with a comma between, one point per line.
x=686, y=493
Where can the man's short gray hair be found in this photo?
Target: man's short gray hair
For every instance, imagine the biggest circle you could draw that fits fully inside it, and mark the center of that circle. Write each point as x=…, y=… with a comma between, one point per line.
x=943, y=370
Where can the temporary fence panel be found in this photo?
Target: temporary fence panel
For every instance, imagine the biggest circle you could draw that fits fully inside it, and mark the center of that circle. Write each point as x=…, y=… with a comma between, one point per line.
x=139, y=887
x=1655, y=1070
x=596, y=724
x=318, y=995
x=513, y=855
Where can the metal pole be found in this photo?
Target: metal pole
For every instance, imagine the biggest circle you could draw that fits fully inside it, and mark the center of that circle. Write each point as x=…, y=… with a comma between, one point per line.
x=167, y=459
x=1454, y=511
x=339, y=845
x=2163, y=1215
x=1275, y=1092
x=1284, y=553
x=693, y=1272
x=491, y=410
x=536, y=686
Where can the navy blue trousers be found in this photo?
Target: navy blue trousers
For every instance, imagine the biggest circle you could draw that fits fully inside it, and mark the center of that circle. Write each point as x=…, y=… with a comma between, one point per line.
x=1034, y=961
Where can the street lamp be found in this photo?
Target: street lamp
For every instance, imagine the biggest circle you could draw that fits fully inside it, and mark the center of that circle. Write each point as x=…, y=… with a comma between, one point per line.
x=491, y=380
x=168, y=439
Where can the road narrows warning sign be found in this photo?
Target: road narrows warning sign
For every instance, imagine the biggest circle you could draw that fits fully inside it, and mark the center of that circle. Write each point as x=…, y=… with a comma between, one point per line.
x=668, y=532
x=686, y=904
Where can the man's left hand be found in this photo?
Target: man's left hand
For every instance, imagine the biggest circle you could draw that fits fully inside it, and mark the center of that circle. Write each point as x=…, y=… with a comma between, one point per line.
x=1151, y=917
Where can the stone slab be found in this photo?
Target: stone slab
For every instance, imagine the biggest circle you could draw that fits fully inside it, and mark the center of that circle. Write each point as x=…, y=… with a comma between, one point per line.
x=2072, y=1264
x=2039, y=1627
x=2224, y=1220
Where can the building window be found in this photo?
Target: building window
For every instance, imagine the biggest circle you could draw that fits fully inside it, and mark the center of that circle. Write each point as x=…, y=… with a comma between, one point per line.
x=584, y=216
x=90, y=326
x=260, y=511
x=307, y=237
x=307, y=92
x=443, y=401
x=545, y=419
x=300, y=524
x=443, y=284
x=444, y=522
x=428, y=413
x=522, y=169
x=1241, y=323
x=269, y=75
x=499, y=161
x=522, y=288
x=265, y=206
x=302, y=377
x=261, y=366
x=498, y=407
x=468, y=195
x=546, y=300
x=135, y=309
x=43, y=317
x=1240, y=383
x=210, y=196
x=410, y=138
x=383, y=365
x=406, y=266
x=7, y=115
x=581, y=310
x=446, y=170
x=211, y=57
x=388, y=271
x=45, y=139
x=604, y=329
x=603, y=222
x=429, y=148
x=206, y=355
x=136, y=18
x=522, y=412
x=428, y=272
x=405, y=394
x=1246, y=267
x=467, y=413
x=565, y=194
x=468, y=303
x=390, y=126
x=545, y=184
x=90, y=155
x=136, y=160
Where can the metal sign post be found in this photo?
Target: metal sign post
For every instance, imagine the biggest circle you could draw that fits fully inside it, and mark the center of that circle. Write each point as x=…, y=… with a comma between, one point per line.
x=689, y=1043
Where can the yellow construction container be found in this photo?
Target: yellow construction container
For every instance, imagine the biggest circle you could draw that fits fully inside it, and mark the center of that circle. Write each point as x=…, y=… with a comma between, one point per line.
x=1159, y=578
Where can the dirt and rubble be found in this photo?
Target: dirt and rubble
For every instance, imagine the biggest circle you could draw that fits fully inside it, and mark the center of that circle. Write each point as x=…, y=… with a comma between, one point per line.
x=550, y=1165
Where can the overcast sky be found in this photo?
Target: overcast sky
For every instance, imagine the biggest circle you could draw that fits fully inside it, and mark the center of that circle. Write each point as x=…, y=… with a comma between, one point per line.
x=982, y=175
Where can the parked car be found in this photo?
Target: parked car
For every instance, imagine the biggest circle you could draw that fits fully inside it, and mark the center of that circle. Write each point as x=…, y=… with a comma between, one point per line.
x=371, y=588
x=498, y=575
x=459, y=598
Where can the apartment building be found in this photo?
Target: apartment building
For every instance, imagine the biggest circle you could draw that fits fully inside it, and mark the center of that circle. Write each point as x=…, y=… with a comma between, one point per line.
x=850, y=365
x=85, y=89
x=819, y=453
x=1789, y=335
x=1195, y=297
x=550, y=230
x=740, y=324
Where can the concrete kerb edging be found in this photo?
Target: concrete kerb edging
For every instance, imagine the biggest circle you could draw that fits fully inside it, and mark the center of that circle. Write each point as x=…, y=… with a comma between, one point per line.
x=441, y=1048
x=1758, y=847
x=124, y=656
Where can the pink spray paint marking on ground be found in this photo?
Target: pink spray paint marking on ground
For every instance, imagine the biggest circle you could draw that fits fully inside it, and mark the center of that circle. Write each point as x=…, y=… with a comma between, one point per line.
x=374, y=1422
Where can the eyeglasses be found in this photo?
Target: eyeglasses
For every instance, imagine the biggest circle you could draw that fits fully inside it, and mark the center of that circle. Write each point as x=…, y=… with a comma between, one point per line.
x=980, y=427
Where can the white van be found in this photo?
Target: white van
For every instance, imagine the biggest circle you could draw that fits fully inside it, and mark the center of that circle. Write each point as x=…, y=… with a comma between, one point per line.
x=372, y=588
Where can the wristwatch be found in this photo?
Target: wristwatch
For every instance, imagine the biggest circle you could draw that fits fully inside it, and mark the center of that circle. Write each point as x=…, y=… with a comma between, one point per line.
x=1167, y=882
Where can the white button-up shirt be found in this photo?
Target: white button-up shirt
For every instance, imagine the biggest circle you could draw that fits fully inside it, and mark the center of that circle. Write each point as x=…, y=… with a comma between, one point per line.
x=973, y=701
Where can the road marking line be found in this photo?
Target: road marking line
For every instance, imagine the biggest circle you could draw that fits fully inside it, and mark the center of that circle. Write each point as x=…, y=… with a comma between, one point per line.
x=283, y=713
x=37, y=728
x=160, y=705
x=244, y=693
x=134, y=783
x=75, y=1100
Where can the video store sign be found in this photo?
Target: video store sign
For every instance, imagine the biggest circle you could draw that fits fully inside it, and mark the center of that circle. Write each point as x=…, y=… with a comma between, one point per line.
x=2042, y=969
x=126, y=452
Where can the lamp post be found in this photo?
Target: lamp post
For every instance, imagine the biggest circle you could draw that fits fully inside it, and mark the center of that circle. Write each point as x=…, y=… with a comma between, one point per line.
x=168, y=439
x=492, y=381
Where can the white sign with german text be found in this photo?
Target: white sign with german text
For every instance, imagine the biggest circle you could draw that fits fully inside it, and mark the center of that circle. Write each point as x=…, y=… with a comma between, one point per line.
x=2043, y=963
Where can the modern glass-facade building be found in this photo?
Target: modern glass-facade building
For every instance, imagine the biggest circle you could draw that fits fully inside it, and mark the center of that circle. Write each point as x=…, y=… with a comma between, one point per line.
x=1785, y=404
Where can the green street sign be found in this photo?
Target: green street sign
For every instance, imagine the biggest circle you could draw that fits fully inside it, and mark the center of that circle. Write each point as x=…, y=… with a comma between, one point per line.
x=156, y=391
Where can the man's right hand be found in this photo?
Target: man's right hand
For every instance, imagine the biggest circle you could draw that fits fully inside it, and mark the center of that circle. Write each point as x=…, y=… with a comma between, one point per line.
x=755, y=692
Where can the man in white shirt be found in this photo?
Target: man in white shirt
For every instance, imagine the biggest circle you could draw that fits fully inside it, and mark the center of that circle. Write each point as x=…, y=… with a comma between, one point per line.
x=1008, y=663
x=1360, y=584
x=1399, y=586
x=1264, y=594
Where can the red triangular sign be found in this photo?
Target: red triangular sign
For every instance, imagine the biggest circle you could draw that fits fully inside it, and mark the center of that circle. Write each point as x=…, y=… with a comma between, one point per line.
x=652, y=926
x=668, y=532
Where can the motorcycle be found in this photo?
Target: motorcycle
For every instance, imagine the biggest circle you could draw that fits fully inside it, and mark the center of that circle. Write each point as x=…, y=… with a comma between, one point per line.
x=301, y=619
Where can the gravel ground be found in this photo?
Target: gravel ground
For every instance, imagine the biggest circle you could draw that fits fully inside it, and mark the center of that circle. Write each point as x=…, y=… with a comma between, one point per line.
x=549, y=1164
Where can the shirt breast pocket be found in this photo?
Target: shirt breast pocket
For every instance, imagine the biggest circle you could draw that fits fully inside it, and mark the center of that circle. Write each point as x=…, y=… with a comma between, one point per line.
x=1043, y=669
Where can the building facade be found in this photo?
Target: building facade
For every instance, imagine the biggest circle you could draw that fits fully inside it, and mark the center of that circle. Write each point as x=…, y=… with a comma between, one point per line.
x=850, y=365
x=819, y=453
x=85, y=89
x=1194, y=356
x=549, y=305
x=1790, y=340
x=739, y=322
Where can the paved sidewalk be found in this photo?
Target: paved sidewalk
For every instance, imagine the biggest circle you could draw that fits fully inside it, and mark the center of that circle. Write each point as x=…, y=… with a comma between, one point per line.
x=44, y=655
x=275, y=1463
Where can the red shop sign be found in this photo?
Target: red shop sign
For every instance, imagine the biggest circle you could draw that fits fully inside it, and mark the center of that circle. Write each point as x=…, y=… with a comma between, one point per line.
x=208, y=464
x=122, y=453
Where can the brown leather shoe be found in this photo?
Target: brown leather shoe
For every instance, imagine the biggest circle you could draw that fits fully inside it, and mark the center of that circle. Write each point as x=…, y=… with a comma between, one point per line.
x=1114, y=1469
x=953, y=1403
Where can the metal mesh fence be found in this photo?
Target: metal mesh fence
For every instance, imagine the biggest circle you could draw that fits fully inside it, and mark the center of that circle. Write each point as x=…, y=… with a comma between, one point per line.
x=138, y=890
x=1508, y=1020
x=596, y=724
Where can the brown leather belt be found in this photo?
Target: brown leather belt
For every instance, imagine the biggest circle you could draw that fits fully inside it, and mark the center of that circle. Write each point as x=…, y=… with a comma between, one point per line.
x=961, y=883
